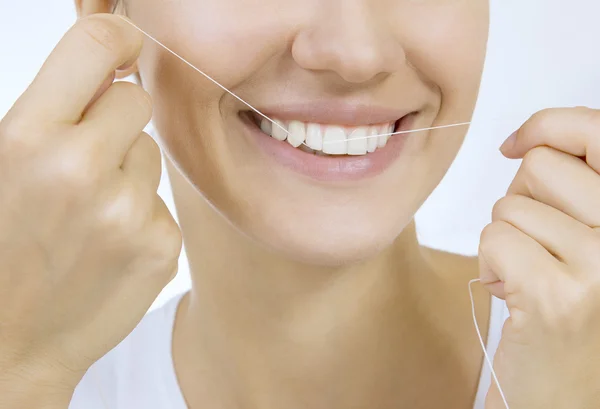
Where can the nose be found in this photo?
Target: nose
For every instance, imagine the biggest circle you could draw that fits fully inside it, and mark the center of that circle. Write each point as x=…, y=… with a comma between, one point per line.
x=347, y=39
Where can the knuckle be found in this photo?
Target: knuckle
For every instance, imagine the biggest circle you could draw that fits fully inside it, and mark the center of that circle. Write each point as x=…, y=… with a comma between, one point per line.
x=137, y=95
x=124, y=214
x=491, y=234
x=153, y=149
x=164, y=273
x=171, y=273
x=588, y=114
x=146, y=144
x=170, y=240
x=76, y=171
x=15, y=137
x=10, y=128
x=536, y=160
x=166, y=241
x=592, y=117
x=102, y=30
x=487, y=236
x=540, y=121
x=504, y=207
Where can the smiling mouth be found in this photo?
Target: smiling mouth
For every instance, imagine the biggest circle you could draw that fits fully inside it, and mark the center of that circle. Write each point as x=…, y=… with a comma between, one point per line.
x=327, y=139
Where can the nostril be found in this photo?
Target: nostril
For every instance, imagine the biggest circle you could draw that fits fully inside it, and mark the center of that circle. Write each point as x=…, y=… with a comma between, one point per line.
x=360, y=55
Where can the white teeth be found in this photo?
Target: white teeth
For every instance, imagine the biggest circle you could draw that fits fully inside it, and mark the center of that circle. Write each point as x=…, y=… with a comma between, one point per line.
x=328, y=139
x=372, y=142
x=297, y=133
x=314, y=137
x=334, y=141
x=278, y=133
x=386, y=131
x=266, y=126
x=357, y=142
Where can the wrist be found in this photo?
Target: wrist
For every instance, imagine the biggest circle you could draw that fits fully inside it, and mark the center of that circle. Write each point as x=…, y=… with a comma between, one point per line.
x=28, y=395
x=35, y=388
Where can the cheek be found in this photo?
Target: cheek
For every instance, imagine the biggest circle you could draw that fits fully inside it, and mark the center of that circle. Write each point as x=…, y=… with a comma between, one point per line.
x=447, y=45
x=340, y=226
x=188, y=107
x=227, y=40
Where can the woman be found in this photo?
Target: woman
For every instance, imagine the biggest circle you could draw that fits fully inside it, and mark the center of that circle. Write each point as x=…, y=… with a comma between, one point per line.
x=310, y=289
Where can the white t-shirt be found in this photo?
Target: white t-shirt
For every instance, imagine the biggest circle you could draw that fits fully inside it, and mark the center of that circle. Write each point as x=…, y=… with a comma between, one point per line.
x=139, y=372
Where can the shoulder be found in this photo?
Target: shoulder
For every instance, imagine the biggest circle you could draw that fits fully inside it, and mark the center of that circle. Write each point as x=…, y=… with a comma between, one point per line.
x=128, y=371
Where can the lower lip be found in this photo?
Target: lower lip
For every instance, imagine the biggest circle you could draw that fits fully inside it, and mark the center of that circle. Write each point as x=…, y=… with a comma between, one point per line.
x=332, y=168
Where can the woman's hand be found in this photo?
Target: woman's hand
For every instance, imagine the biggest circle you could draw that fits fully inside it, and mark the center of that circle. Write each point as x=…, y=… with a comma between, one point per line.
x=541, y=254
x=86, y=244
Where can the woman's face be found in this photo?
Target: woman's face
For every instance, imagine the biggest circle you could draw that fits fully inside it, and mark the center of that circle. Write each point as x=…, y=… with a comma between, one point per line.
x=330, y=71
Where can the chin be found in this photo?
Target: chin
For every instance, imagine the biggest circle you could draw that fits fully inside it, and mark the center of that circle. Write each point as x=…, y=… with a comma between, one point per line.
x=331, y=250
x=318, y=203
x=343, y=237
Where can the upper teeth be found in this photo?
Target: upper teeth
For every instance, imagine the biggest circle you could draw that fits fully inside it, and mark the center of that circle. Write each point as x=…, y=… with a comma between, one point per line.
x=330, y=139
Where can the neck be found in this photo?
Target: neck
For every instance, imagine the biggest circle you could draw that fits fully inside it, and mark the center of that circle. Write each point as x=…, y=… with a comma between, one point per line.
x=261, y=331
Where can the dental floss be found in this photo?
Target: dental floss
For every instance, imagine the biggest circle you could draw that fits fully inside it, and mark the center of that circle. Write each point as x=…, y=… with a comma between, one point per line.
x=487, y=358
x=203, y=73
x=403, y=132
x=260, y=113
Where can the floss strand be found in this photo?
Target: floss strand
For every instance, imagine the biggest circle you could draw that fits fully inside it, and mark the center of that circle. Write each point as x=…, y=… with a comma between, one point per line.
x=487, y=358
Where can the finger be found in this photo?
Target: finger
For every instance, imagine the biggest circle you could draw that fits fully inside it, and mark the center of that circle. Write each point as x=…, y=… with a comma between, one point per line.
x=105, y=85
x=116, y=120
x=164, y=236
x=562, y=236
x=515, y=259
x=570, y=130
x=90, y=51
x=490, y=280
x=561, y=181
x=142, y=163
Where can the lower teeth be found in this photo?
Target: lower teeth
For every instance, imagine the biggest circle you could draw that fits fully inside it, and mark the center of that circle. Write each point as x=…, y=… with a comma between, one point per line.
x=306, y=149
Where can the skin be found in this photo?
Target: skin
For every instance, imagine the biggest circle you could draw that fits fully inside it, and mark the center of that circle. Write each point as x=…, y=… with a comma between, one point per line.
x=302, y=278
x=364, y=317
x=82, y=224
x=200, y=133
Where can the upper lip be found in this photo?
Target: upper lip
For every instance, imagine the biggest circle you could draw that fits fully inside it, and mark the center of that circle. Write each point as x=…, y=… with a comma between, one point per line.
x=344, y=114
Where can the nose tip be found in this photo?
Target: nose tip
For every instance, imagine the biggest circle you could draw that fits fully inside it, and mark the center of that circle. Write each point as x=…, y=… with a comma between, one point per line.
x=356, y=54
x=363, y=63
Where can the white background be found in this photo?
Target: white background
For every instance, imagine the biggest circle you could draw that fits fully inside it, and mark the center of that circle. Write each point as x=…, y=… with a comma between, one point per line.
x=542, y=53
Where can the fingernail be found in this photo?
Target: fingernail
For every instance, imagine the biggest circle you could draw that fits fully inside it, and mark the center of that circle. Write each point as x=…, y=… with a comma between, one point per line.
x=509, y=142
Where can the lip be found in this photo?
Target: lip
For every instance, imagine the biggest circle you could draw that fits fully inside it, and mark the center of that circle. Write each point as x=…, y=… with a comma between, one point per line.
x=343, y=168
x=328, y=113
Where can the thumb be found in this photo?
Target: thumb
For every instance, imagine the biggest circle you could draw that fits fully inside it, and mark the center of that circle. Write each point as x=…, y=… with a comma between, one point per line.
x=569, y=130
x=490, y=280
